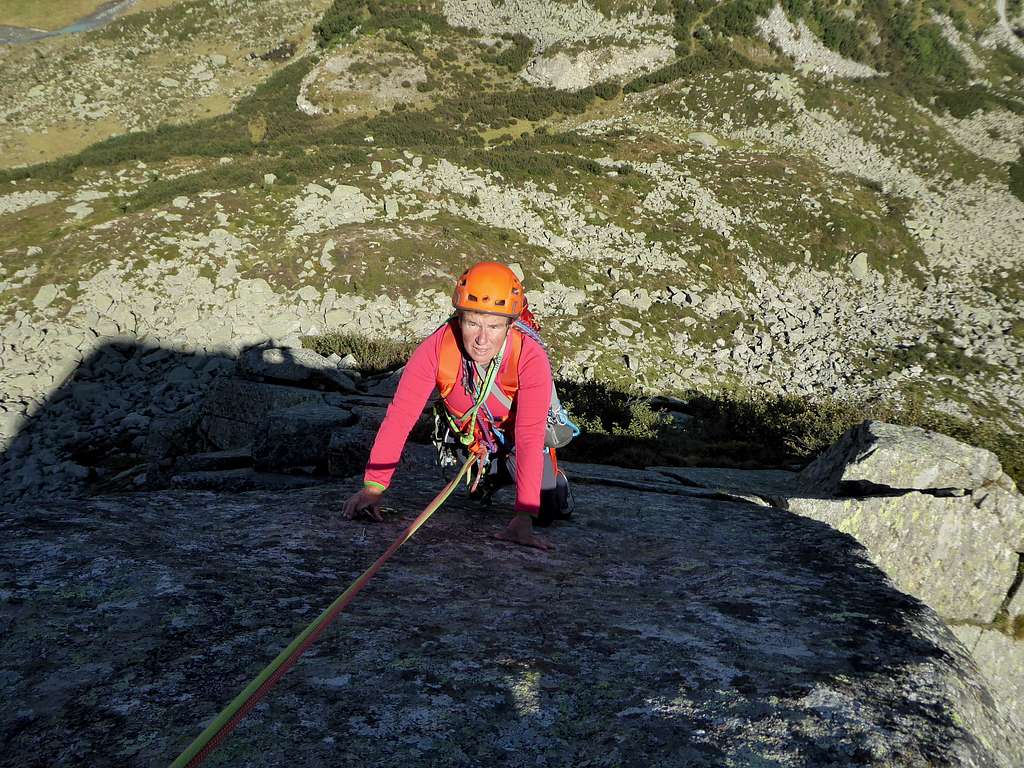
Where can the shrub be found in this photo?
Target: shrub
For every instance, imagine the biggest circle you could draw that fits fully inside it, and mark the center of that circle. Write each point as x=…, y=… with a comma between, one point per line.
x=607, y=90
x=924, y=50
x=344, y=16
x=514, y=57
x=738, y=17
x=373, y=355
x=339, y=20
x=1017, y=177
x=686, y=13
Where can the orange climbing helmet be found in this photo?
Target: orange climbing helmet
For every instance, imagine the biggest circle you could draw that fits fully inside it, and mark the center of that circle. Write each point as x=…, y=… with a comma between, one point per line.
x=489, y=287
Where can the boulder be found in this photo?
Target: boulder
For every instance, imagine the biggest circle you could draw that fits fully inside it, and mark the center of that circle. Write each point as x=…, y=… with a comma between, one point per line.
x=876, y=455
x=705, y=139
x=959, y=559
x=293, y=365
x=859, y=267
x=348, y=451
x=45, y=296
x=385, y=386
x=172, y=435
x=722, y=634
x=234, y=411
x=298, y=436
x=370, y=416
x=937, y=515
x=1000, y=658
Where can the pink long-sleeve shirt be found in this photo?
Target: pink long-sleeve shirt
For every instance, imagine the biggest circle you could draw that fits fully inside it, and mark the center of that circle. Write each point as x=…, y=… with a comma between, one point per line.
x=527, y=425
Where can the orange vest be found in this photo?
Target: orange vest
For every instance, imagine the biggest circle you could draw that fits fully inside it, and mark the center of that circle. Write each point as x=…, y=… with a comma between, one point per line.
x=449, y=371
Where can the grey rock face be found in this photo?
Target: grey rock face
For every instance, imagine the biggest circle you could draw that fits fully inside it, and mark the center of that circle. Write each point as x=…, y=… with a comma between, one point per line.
x=878, y=454
x=722, y=634
x=215, y=461
x=234, y=411
x=1001, y=660
x=941, y=550
x=239, y=481
x=763, y=482
x=298, y=436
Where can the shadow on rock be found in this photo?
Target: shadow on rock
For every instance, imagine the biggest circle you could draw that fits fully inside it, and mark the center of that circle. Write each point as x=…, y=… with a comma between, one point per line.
x=663, y=630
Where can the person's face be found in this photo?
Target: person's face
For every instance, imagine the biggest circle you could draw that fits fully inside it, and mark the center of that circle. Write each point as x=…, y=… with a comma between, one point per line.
x=482, y=335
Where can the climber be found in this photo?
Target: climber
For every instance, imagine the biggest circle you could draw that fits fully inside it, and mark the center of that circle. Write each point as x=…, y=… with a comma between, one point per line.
x=494, y=378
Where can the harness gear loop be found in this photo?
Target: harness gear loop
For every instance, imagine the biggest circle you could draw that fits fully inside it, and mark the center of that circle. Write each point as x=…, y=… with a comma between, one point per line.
x=232, y=714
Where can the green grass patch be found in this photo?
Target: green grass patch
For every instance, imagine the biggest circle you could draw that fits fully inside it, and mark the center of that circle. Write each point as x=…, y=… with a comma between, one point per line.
x=1017, y=177
x=46, y=14
x=964, y=102
x=373, y=355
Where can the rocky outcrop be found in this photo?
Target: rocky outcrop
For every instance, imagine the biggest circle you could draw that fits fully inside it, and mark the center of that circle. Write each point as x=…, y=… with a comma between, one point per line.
x=549, y=23
x=296, y=365
x=941, y=518
x=723, y=633
x=887, y=457
x=807, y=51
x=299, y=436
x=572, y=71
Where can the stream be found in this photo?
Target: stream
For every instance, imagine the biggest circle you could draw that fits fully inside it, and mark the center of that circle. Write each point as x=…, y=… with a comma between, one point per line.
x=102, y=15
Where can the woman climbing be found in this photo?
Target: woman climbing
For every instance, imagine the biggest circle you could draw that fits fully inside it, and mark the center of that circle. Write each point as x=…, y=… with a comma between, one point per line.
x=493, y=374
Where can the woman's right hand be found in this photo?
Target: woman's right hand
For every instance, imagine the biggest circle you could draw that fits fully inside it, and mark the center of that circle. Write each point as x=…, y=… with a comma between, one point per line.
x=364, y=503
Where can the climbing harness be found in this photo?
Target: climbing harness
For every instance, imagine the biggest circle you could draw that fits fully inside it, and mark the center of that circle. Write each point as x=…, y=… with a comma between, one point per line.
x=452, y=365
x=232, y=714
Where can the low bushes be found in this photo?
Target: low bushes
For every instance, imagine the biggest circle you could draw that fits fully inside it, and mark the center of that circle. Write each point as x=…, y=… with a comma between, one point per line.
x=346, y=16
x=1017, y=177
x=373, y=355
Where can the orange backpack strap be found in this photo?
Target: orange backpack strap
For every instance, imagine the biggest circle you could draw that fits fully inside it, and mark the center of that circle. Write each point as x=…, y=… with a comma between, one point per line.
x=449, y=363
x=508, y=376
